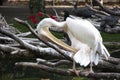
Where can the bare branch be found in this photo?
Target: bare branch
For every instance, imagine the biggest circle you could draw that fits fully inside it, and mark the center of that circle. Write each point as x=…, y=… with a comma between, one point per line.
x=49, y=51
x=56, y=13
x=20, y=41
x=6, y=48
x=97, y=11
x=24, y=34
x=113, y=60
x=55, y=64
x=107, y=66
x=14, y=50
x=115, y=51
x=106, y=9
x=69, y=73
x=30, y=47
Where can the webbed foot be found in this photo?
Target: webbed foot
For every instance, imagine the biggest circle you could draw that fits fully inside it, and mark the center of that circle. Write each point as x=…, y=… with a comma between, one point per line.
x=75, y=71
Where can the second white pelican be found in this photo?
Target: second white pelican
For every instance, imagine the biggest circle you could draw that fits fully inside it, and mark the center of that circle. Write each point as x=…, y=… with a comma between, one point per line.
x=86, y=41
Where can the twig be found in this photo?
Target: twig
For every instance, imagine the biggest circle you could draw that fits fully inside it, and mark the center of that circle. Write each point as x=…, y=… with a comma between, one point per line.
x=24, y=34
x=55, y=64
x=56, y=14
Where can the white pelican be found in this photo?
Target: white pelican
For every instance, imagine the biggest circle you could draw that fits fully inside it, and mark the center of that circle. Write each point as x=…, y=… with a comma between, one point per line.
x=86, y=41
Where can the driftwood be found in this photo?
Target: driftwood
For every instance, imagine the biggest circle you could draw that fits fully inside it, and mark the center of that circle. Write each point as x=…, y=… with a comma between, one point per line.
x=69, y=73
x=104, y=11
x=17, y=45
x=107, y=10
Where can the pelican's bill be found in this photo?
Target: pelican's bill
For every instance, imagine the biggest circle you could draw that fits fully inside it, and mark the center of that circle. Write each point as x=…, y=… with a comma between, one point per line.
x=58, y=42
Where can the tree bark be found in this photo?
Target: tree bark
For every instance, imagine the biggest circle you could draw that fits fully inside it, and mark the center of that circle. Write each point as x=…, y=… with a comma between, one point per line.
x=68, y=72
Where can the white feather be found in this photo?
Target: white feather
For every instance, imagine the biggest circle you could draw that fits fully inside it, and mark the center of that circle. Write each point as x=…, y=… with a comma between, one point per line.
x=96, y=60
x=84, y=37
x=82, y=56
x=101, y=49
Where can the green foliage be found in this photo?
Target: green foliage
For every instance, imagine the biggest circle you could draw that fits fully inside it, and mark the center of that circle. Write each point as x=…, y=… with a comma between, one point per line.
x=110, y=37
x=7, y=77
x=20, y=27
x=79, y=78
x=58, y=35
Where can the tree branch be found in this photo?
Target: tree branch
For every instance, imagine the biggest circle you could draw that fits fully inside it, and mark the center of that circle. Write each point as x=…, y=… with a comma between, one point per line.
x=30, y=47
x=54, y=64
x=20, y=41
x=106, y=9
x=24, y=34
x=18, y=51
x=69, y=73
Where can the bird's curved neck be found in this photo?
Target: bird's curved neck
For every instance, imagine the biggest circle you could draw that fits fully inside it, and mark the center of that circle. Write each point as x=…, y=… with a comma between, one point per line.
x=50, y=23
x=57, y=24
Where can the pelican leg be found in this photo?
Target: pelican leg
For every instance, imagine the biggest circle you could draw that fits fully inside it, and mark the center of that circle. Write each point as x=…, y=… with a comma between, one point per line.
x=74, y=68
x=91, y=69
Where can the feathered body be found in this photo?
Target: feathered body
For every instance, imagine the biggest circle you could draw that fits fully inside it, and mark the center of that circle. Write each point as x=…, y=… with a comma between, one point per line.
x=85, y=37
x=86, y=41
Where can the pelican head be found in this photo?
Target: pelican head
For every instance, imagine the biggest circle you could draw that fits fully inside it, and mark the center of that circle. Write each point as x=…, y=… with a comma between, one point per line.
x=44, y=33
